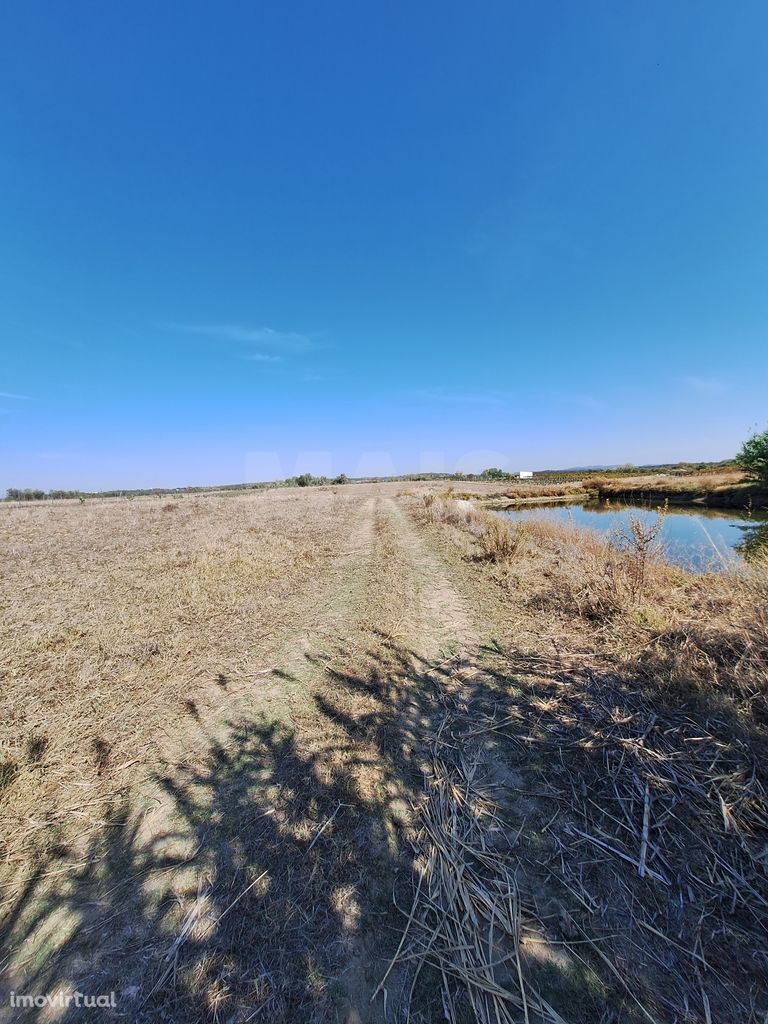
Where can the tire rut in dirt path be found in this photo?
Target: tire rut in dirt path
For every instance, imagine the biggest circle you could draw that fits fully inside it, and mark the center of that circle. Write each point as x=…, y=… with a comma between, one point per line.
x=433, y=690
x=438, y=618
x=426, y=637
x=318, y=624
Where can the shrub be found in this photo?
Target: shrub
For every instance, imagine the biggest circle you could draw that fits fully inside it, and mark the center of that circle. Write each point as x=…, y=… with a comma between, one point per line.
x=639, y=547
x=500, y=541
x=456, y=512
x=753, y=457
x=306, y=480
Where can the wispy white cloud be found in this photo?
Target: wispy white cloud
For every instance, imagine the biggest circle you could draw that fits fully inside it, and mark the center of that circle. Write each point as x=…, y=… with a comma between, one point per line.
x=267, y=337
x=263, y=357
x=706, y=385
x=10, y=394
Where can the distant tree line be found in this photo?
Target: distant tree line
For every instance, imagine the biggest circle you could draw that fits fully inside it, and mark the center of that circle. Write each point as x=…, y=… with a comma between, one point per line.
x=302, y=480
x=752, y=458
x=307, y=480
x=35, y=494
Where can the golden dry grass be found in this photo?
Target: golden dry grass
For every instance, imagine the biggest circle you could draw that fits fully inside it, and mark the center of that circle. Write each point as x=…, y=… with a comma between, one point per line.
x=192, y=691
x=534, y=490
x=624, y=587
x=642, y=708
x=120, y=617
x=691, y=484
x=220, y=722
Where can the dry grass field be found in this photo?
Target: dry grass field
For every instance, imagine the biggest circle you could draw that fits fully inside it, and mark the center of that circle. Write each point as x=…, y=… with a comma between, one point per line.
x=368, y=753
x=727, y=488
x=690, y=483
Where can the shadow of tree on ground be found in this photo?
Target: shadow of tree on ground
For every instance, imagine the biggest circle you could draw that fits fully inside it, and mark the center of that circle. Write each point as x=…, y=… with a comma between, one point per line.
x=267, y=890
x=262, y=882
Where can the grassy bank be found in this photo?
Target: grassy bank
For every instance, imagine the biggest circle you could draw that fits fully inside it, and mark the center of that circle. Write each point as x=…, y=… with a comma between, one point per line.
x=728, y=489
x=723, y=489
x=522, y=494
x=708, y=630
x=641, y=710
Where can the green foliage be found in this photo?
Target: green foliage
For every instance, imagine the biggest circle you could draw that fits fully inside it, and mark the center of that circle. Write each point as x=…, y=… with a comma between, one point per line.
x=342, y=478
x=306, y=480
x=754, y=540
x=35, y=494
x=753, y=457
x=24, y=494
x=495, y=474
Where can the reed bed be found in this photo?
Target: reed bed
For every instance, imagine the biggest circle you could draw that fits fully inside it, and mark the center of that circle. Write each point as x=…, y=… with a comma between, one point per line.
x=659, y=842
x=694, y=483
x=465, y=919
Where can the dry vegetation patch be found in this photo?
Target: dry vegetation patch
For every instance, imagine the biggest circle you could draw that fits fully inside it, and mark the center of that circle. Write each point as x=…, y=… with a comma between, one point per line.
x=249, y=742
x=637, y=710
x=124, y=620
x=682, y=484
x=725, y=488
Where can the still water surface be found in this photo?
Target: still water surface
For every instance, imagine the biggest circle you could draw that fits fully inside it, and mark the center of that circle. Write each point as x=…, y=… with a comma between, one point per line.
x=695, y=538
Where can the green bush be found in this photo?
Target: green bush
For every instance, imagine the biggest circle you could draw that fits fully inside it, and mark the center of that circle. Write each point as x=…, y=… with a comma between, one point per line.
x=753, y=457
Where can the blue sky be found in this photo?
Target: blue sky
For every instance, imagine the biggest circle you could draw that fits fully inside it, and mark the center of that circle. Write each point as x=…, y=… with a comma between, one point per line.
x=239, y=241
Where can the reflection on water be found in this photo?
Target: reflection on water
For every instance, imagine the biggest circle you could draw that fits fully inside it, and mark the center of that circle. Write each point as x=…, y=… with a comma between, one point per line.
x=694, y=538
x=754, y=538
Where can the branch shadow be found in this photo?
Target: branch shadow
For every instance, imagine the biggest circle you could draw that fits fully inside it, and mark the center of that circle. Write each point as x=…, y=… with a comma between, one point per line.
x=257, y=882
x=262, y=879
